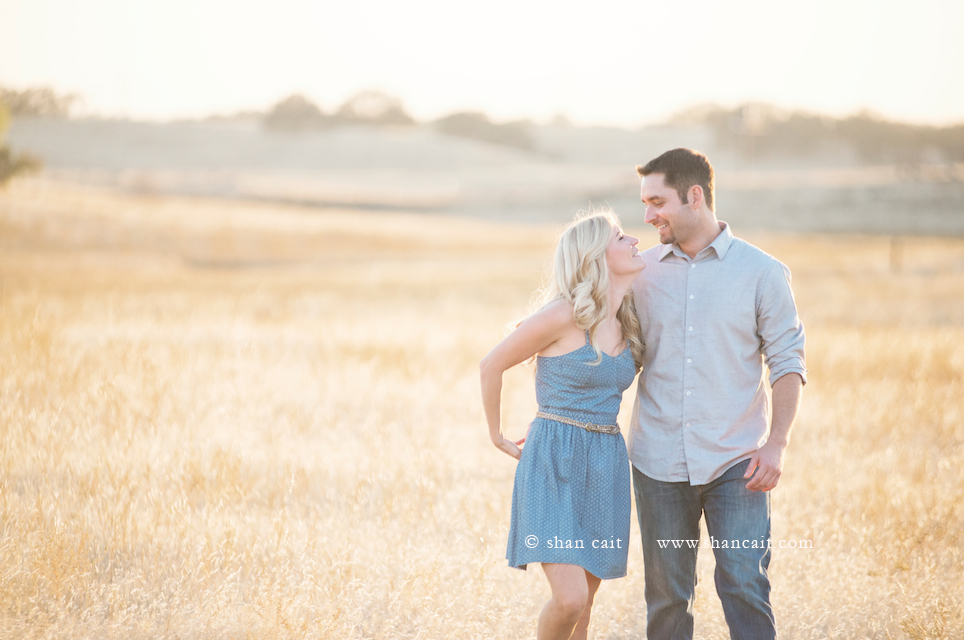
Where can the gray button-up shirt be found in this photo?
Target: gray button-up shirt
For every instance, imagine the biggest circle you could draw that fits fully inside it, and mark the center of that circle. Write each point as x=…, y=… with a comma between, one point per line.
x=708, y=326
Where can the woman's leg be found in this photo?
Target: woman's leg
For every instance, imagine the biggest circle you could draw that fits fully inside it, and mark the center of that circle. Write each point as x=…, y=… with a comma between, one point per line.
x=582, y=627
x=570, y=596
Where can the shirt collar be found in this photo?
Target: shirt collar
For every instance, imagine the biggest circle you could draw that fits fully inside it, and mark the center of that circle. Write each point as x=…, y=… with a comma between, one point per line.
x=720, y=245
x=723, y=241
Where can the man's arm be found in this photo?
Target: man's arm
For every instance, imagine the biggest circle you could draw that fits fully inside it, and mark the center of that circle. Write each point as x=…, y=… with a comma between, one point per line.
x=768, y=459
x=783, y=343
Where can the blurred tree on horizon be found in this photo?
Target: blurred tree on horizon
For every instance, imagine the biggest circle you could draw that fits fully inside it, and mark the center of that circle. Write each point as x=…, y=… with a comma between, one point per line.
x=11, y=165
x=760, y=131
x=477, y=126
x=374, y=107
x=295, y=113
x=298, y=113
x=40, y=102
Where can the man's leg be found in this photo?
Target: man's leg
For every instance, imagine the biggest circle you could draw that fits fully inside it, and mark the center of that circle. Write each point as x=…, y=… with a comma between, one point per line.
x=739, y=519
x=668, y=512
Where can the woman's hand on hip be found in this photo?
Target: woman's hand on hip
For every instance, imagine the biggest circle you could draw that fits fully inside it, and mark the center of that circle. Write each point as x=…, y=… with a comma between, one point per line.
x=509, y=447
x=522, y=440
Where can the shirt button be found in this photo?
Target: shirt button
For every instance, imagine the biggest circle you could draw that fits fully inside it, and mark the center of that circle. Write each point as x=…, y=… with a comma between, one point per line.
x=691, y=328
x=689, y=360
x=692, y=266
x=687, y=393
x=687, y=424
x=691, y=297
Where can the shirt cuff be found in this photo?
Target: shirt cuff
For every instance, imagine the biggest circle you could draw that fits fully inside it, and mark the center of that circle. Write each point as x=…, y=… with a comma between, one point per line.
x=789, y=367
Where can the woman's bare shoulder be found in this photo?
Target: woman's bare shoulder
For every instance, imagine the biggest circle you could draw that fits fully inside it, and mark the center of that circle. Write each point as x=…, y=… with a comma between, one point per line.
x=557, y=318
x=557, y=314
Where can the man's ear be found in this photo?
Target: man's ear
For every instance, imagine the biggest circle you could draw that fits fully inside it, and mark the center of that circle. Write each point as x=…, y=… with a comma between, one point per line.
x=696, y=196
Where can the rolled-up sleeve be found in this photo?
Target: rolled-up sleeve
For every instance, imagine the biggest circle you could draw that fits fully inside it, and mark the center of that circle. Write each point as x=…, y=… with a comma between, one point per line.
x=780, y=329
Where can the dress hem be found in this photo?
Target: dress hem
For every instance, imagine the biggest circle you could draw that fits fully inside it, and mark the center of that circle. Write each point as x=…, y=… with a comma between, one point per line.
x=522, y=567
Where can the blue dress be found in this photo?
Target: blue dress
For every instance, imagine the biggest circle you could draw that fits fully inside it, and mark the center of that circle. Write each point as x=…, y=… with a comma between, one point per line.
x=571, y=498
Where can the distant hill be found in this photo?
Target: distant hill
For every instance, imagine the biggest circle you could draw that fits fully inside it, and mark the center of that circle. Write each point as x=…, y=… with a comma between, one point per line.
x=560, y=170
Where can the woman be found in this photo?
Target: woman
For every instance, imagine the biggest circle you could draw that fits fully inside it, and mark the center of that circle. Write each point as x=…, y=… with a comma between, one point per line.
x=571, y=499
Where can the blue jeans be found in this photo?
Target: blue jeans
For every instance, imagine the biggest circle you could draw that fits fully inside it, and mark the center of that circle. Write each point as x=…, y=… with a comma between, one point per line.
x=671, y=511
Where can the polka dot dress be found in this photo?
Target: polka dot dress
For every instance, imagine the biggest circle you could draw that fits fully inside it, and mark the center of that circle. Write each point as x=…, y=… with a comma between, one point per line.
x=571, y=498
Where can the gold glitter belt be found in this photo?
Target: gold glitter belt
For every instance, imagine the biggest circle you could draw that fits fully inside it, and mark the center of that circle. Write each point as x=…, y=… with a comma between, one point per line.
x=611, y=429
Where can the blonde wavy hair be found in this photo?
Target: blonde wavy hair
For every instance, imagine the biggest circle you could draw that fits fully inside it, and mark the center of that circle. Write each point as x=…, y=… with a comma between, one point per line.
x=580, y=276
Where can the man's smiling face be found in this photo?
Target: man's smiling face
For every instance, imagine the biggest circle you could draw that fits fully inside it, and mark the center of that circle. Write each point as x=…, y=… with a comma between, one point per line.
x=674, y=220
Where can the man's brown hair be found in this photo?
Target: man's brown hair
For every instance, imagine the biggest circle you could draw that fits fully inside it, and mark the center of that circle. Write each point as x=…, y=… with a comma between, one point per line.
x=682, y=169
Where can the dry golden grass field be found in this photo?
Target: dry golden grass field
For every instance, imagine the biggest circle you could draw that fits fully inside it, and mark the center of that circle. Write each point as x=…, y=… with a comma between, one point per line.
x=238, y=420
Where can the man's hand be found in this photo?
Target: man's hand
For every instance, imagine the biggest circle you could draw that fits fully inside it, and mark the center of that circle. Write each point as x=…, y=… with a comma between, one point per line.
x=768, y=459
x=768, y=463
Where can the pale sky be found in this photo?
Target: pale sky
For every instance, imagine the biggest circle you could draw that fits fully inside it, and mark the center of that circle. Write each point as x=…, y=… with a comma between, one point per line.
x=618, y=62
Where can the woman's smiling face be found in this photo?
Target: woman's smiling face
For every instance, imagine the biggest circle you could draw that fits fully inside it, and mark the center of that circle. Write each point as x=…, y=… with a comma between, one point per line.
x=622, y=257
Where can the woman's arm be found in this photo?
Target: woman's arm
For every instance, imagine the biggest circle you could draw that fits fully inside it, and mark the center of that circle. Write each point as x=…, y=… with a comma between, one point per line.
x=535, y=334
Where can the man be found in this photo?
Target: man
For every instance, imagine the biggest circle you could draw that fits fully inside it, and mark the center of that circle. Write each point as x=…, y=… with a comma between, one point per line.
x=713, y=309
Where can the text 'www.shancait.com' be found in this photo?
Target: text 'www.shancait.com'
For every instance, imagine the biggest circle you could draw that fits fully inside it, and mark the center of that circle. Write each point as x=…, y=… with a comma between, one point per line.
x=713, y=543
x=557, y=543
